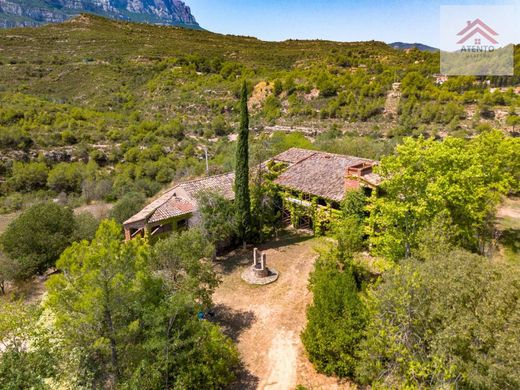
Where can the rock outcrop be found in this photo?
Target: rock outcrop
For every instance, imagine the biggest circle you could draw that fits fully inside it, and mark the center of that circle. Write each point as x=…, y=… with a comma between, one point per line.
x=25, y=13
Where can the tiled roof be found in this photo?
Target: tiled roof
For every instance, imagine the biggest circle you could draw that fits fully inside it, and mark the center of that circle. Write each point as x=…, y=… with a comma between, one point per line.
x=294, y=155
x=312, y=172
x=172, y=208
x=170, y=204
x=219, y=183
x=150, y=208
x=321, y=174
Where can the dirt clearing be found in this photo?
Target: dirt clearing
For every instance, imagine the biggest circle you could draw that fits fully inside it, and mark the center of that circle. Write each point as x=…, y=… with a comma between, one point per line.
x=266, y=321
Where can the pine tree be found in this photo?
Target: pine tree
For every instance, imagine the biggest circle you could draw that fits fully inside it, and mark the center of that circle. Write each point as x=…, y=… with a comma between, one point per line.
x=242, y=200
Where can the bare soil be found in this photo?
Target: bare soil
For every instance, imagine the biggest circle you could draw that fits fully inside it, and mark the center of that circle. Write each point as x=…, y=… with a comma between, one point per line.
x=98, y=210
x=266, y=321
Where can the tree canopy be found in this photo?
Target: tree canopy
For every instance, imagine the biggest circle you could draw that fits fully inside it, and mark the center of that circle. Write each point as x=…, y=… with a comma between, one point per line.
x=462, y=179
x=126, y=329
x=449, y=321
x=35, y=240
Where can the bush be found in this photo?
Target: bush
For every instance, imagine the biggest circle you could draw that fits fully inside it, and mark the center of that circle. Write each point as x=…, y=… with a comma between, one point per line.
x=127, y=206
x=184, y=259
x=217, y=216
x=66, y=177
x=28, y=177
x=85, y=226
x=336, y=318
x=219, y=126
x=35, y=240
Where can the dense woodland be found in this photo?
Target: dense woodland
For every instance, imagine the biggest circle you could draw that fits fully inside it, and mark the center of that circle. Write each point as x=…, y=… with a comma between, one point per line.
x=408, y=292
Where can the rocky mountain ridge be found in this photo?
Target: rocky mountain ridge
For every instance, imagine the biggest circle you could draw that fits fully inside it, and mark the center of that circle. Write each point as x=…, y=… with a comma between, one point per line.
x=29, y=13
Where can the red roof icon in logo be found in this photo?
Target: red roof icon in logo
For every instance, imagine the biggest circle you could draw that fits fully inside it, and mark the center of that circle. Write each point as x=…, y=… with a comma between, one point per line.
x=477, y=27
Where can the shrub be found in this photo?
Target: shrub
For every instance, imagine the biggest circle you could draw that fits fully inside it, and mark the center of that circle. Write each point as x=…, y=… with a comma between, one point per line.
x=85, y=227
x=35, y=239
x=217, y=217
x=28, y=177
x=127, y=206
x=66, y=177
x=336, y=318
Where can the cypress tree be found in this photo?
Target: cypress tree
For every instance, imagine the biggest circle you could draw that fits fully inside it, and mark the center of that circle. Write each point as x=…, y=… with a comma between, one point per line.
x=242, y=200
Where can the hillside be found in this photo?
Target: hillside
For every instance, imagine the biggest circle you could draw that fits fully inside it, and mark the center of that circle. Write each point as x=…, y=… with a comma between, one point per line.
x=30, y=13
x=143, y=101
x=92, y=62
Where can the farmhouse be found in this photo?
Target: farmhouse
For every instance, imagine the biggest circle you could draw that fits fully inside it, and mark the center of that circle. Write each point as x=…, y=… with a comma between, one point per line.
x=176, y=209
x=314, y=183
x=311, y=186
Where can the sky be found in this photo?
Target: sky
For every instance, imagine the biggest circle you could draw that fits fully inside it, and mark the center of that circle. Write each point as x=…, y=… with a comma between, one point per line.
x=348, y=20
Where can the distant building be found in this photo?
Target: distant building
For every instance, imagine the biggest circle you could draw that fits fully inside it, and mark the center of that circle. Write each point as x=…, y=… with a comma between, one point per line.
x=310, y=180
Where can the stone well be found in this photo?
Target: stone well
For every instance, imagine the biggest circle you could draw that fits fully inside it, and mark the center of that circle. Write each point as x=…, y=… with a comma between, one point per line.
x=259, y=273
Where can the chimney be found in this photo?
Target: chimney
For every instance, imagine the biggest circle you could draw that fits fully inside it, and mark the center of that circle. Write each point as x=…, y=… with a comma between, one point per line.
x=356, y=172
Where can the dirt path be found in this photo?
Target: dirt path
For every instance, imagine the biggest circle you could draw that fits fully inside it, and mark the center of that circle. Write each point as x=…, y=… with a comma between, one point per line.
x=266, y=322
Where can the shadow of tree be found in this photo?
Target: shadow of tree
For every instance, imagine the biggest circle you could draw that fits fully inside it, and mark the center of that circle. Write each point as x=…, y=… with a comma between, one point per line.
x=243, y=257
x=238, y=258
x=288, y=238
x=511, y=240
x=233, y=324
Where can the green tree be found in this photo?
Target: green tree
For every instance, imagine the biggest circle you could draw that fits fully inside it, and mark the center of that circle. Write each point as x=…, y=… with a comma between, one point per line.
x=66, y=177
x=336, y=318
x=219, y=126
x=348, y=232
x=447, y=322
x=272, y=108
x=28, y=177
x=242, y=199
x=277, y=87
x=461, y=179
x=127, y=206
x=355, y=204
x=183, y=352
x=99, y=299
x=126, y=328
x=28, y=358
x=35, y=239
x=85, y=227
x=185, y=262
x=217, y=218
x=513, y=120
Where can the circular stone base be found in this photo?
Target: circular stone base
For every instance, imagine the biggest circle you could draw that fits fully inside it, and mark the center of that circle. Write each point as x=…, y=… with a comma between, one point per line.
x=250, y=277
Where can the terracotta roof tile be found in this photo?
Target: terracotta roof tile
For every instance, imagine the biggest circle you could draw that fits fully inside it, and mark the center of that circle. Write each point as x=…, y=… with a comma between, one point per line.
x=174, y=207
x=219, y=183
x=321, y=174
x=294, y=155
x=170, y=205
